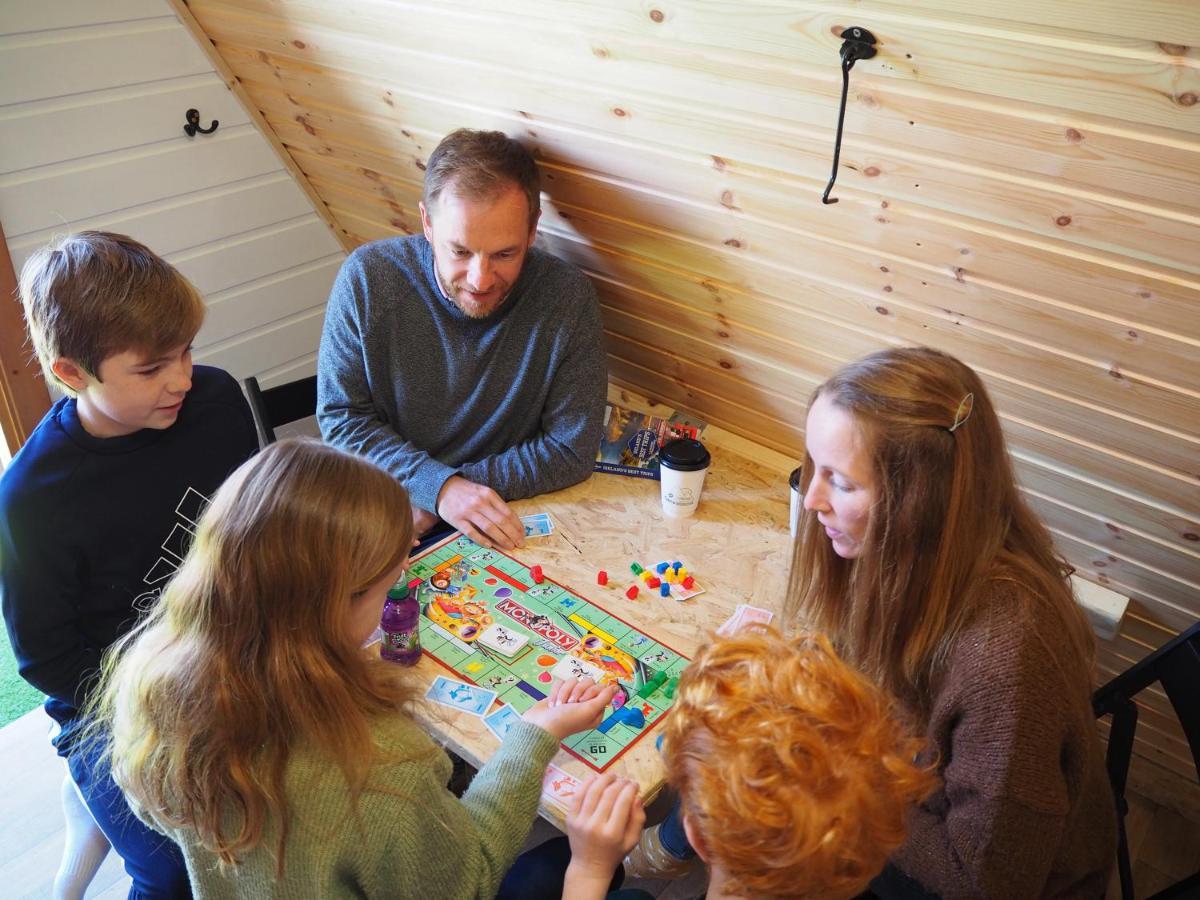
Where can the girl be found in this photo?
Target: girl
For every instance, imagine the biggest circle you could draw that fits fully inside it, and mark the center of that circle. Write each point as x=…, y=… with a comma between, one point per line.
x=248, y=724
x=918, y=556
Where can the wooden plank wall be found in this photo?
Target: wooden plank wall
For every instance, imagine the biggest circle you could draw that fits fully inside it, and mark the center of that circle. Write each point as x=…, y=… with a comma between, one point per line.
x=1020, y=186
x=92, y=104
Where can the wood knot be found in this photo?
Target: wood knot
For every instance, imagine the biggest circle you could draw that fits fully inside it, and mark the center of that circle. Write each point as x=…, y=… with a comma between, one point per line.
x=883, y=204
x=960, y=275
x=1115, y=372
x=725, y=364
x=882, y=310
x=1133, y=335
x=1074, y=136
x=1186, y=99
x=1191, y=536
x=600, y=52
x=1099, y=563
x=299, y=45
x=1172, y=49
x=963, y=251
x=868, y=100
x=887, y=288
x=420, y=164
x=407, y=134
x=304, y=123
x=722, y=334
x=370, y=173
x=871, y=171
x=1063, y=221
x=733, y=242
x=719, y=164
x=882, y=220
x=523, y=114
x=727, y=199
x=619, y=113
x=884, y=269
x=656, y=15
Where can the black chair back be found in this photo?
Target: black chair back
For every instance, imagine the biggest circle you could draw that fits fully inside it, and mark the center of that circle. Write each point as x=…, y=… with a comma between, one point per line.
x=1175, y=665
x=279, y=405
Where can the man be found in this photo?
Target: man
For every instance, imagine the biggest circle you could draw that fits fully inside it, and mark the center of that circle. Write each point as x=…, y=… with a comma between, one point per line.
x=464, y=361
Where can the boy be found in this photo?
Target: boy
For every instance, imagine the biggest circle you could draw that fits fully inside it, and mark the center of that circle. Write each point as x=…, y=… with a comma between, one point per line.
x=98, y=507
x=794, y=779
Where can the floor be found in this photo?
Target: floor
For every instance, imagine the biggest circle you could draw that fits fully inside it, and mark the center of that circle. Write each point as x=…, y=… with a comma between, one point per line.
x=1164, y=846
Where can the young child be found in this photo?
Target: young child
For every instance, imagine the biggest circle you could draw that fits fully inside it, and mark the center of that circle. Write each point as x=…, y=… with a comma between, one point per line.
x=793, y=776
x=248, y=723
x=98, y=506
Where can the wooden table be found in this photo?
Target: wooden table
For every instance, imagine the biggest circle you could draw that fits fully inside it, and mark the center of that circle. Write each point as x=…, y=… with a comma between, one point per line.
x=737, y=545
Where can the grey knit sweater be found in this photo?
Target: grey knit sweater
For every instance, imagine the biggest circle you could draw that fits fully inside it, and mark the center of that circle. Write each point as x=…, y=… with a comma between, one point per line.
x=408, y=837
x=514, y=401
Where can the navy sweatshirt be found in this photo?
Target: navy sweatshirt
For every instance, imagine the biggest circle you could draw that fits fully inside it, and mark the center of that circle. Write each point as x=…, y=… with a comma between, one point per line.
x=92, y=528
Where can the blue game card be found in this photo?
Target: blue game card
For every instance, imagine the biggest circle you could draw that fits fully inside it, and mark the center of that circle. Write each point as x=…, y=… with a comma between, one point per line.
x=501, y=720
x=460, y=695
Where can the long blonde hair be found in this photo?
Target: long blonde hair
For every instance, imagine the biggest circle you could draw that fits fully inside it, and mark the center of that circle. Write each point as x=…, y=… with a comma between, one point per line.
x=948, y=519
x=248, y=652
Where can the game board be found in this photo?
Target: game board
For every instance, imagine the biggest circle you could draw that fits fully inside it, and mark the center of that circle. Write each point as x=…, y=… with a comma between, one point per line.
x=466, y=588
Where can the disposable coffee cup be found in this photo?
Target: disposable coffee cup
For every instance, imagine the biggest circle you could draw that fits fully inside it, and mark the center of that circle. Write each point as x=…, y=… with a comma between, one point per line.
x=682, y=465
x=797, y=504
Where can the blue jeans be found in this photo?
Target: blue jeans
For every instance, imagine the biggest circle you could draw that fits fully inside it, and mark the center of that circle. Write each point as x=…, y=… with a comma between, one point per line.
x=672, y=836
x=153, y=861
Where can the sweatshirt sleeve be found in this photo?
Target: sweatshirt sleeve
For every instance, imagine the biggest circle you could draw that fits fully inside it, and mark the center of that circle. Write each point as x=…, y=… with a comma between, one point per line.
x=345, y=411
x=996, y=826
x=40, y=588
x=562, y=453
x=449, y=848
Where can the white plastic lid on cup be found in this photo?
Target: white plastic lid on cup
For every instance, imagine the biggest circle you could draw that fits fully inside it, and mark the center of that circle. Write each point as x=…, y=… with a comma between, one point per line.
x=682, y=465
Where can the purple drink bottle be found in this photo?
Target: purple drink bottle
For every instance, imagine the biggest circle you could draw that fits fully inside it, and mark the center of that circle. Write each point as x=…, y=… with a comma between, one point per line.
x=401, y=624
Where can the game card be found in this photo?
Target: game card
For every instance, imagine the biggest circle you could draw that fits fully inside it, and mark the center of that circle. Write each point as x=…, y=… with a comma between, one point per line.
x=745, y=615
x=537, y=525
x=504, y=640
x=559, y=786
x=460, y=696
x=501, y=720
x=574, y=667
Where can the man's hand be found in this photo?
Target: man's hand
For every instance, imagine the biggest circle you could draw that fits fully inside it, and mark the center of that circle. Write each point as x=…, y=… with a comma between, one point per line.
x=479, y=513
x=604, y=823
x=423, y=520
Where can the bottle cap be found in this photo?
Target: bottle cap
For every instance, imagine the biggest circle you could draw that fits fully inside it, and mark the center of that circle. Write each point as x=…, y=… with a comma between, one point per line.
x=684, y=455
x=398, y=591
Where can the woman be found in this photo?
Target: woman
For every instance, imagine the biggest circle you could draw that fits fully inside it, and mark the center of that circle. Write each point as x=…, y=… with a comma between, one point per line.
x=248, y=724
x=918, y=556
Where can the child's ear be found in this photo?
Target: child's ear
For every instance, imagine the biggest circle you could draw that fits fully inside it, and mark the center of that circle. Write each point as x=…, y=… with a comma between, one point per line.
x=693, y=836
x=70, y=373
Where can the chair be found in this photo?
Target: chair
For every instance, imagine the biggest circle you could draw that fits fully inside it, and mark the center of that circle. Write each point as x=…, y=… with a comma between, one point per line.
x=279, y=405
x=1176, y=665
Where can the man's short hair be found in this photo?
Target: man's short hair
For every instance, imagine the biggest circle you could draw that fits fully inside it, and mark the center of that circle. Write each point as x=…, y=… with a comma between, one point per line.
x=479, y=164
x=94, y=294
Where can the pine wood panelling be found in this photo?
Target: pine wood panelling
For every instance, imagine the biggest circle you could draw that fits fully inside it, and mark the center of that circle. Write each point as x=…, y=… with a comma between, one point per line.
x=1020, y=186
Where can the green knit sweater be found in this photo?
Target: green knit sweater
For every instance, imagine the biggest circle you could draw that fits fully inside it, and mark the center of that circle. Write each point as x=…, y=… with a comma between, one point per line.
x=411, y=838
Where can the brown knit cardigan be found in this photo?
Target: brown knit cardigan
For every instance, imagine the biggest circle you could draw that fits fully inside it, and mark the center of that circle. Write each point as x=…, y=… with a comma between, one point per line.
x=1026, y=810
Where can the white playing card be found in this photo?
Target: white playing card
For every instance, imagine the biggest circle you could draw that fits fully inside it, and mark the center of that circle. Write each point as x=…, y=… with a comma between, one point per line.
x=559, y=786
x=503, y=639
x=574, y=667
x=742, y=616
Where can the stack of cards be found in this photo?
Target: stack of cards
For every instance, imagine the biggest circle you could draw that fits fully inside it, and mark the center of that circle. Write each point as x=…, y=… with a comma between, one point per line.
x=742, y=616
x=537, y=525
x=504, y=640
x=460, y=696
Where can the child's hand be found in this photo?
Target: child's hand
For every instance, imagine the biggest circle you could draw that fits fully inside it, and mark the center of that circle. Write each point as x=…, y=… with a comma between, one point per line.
x=604, y=823
x=573, y=706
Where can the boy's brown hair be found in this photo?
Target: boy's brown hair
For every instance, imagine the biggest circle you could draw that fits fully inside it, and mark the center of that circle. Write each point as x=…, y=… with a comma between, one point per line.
x=94, y=294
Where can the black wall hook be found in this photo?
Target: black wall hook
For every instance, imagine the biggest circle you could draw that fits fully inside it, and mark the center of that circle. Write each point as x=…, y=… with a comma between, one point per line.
x=858, y=44
x=193, y=124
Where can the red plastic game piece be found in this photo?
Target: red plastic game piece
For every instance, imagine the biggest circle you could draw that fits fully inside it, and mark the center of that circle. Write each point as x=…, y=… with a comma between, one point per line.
x=689, y=582
x=632, y=592
x=536, y=572
x=601, y=578
x=652, y=583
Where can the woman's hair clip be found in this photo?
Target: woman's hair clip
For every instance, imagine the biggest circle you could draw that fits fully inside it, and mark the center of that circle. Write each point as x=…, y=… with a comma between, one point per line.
x=965, y=407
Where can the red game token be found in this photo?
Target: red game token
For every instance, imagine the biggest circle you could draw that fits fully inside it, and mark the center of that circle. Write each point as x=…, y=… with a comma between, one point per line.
x=653, y=583
x=536, y=572
x=602, y=578
x=632, y=592
x=689, y=582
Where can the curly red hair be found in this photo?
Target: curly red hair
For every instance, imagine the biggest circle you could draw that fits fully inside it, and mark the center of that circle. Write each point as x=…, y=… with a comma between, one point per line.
x=790, y=765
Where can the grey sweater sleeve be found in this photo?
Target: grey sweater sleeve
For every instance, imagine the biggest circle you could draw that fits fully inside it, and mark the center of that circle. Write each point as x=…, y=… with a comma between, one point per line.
x=564, y=450
x=345, y=411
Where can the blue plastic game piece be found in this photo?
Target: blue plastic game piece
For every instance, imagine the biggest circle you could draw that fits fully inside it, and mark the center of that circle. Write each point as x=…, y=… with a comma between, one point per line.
x=662, y=567
x=606, y=726
x=665, y=589
x=633, y=717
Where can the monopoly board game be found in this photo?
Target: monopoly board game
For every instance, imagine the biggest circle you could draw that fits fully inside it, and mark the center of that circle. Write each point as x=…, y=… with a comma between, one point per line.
x=484, y=617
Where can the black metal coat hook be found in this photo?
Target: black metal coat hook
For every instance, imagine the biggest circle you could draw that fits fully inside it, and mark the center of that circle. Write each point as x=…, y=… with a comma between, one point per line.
x=858, y=44
x=193, y=124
